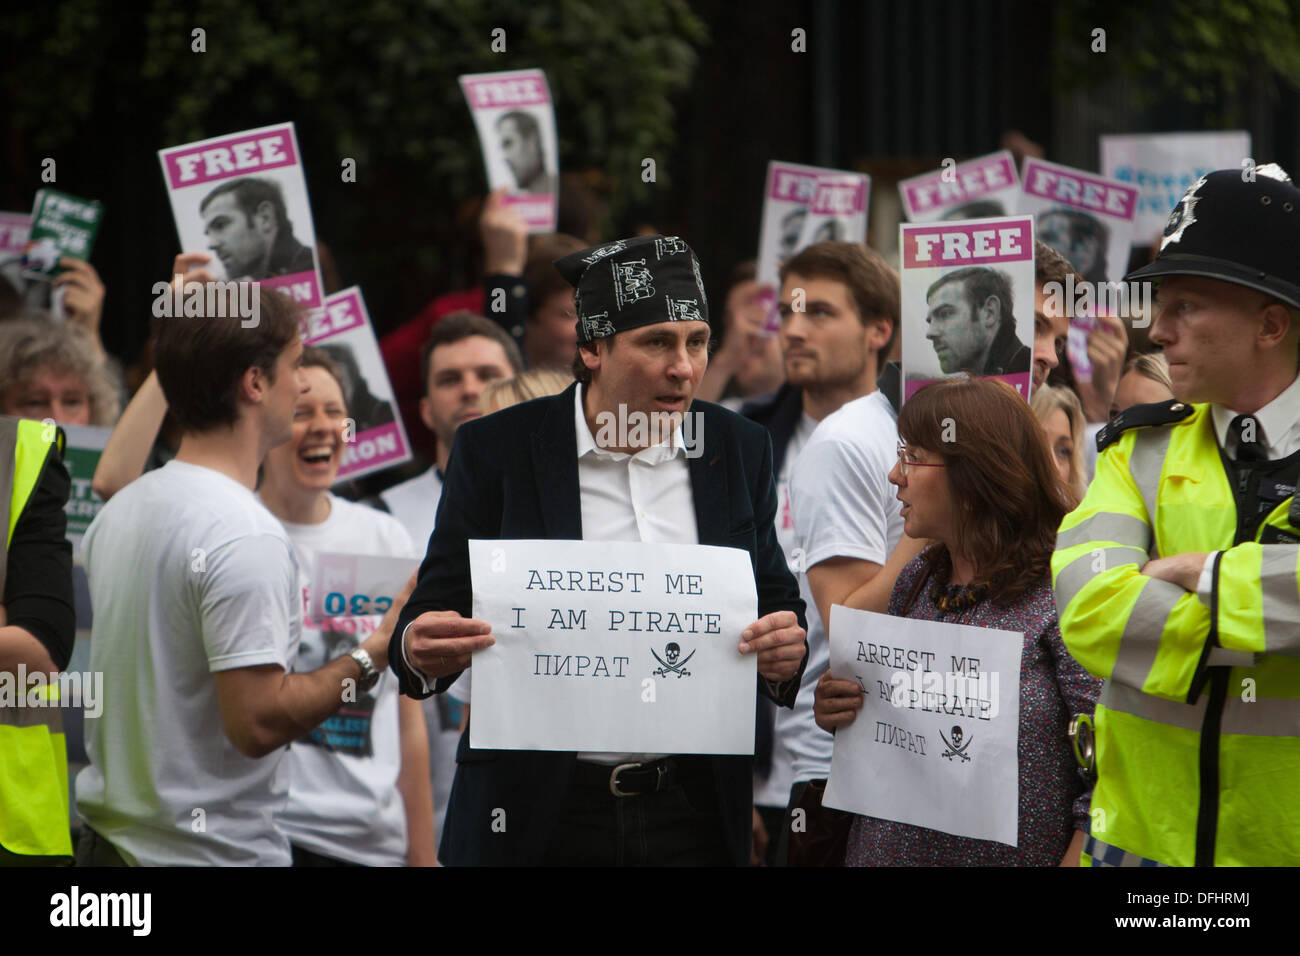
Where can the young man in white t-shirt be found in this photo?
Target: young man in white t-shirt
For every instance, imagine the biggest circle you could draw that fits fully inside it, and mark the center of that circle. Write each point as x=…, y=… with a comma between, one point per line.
x=838, y=520
x=197, y=615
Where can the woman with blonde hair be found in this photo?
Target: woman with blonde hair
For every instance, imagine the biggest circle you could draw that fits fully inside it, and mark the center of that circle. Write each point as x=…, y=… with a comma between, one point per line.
x=1061, y=416
x=1145, y=379
x=524, y=387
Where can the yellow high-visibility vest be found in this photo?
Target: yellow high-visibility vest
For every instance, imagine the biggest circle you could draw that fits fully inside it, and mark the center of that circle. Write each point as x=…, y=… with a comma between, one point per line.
x=1197, y=728
x=33, y=753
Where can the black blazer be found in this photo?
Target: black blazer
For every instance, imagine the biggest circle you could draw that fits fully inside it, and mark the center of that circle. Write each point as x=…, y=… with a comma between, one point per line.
x=514, y=474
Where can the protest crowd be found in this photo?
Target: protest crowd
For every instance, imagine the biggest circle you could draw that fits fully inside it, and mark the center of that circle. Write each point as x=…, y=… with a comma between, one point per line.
x=1017, y=582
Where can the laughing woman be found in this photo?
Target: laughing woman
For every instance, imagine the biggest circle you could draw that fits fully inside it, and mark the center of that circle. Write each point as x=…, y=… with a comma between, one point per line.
x=359, y=788
x=991, y=500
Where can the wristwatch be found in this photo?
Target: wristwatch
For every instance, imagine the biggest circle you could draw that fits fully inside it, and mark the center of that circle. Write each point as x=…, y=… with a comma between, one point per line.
x=369, y=676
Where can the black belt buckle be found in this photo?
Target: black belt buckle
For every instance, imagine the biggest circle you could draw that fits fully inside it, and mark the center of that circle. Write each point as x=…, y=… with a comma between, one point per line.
x=661, y=771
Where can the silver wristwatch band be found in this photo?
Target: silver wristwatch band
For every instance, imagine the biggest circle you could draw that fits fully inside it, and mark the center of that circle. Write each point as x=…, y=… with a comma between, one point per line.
x=369, y=675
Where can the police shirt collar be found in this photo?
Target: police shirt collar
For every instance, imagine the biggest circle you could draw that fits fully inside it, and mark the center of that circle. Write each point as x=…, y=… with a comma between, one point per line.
x=1275, y=420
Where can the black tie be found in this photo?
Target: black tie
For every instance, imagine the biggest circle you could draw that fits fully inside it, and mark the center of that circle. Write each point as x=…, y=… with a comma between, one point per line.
x=1250, y=439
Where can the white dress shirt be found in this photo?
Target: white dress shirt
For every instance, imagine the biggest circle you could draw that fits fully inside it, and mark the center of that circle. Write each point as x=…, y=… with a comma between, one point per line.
x=1278, y=432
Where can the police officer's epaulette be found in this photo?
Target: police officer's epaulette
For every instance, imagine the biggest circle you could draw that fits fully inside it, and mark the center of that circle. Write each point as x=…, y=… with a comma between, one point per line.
x=1142, y=416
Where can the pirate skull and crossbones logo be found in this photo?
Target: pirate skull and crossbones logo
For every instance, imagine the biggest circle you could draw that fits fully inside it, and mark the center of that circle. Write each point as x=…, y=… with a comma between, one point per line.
x=672, y=665
x=956, y=748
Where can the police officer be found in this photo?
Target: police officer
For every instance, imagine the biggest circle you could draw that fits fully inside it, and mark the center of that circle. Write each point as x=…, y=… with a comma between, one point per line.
x=1176, y=578
x=36, y=633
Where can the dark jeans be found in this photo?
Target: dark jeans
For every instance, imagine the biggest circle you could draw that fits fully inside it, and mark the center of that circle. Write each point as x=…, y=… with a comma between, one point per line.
x=823, y=836
x=94, y=850
x=679, y=826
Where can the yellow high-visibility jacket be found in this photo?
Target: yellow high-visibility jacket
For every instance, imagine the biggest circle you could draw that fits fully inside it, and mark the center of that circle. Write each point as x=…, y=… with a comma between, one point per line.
x=33, y=753
x=1198, y=725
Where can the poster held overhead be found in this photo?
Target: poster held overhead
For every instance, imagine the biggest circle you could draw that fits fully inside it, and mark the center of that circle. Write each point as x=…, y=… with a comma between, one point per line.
x=243, y=197
x=785, y=228
x=342, y=329
x=515, y=119
x=967, y=301
x=1163, y=166
x=61, y=225
x=979, y=188
x=1088, y=219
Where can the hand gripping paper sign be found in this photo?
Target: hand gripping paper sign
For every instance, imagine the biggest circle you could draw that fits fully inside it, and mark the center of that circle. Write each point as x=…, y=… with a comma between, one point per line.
x=516, y=129
x=787, y=196
x=976, y=189
x=613, y=647
x=342, y=330
x=244, y=199
x=936, y=743
x=967, y=301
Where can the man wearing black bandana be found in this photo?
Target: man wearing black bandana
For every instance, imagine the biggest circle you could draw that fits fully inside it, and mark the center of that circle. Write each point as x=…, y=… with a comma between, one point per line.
x=536, y=471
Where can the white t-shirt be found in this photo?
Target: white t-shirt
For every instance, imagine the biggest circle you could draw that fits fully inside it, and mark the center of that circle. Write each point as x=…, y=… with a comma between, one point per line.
x=189, y=576
x=774, y=789
x=343, y=796
x=844, y=506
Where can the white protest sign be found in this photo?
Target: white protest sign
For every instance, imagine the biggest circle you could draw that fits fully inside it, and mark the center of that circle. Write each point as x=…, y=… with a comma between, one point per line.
x=967, y=301
x=979, y=188
x=377, y=439
x=613, y=646
x=357, y=585
x=786, y=197
x=515, y=120
x=1163, y=166
x=936, y=743
x=244, y=197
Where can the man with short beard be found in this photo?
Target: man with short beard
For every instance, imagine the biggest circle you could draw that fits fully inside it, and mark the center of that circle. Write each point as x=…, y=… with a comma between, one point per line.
x=839, y=317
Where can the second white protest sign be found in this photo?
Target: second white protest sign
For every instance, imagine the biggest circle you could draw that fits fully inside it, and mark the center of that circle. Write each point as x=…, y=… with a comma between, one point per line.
x=613, y=647
x=936, y=741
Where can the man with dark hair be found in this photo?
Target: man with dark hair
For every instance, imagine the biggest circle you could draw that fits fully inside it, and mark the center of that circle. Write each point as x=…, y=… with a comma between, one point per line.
x=198, y=614
x=520, y=136
x=971, y=323
x=839, y=310
x=536, y=470
x=248, y=228
x=463, y=353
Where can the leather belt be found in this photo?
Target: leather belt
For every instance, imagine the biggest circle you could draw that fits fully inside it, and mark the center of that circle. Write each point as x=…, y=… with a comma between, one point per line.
x=633, y=779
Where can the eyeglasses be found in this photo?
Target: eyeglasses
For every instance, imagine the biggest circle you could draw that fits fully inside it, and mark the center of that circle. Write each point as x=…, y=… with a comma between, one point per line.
x=907, y=459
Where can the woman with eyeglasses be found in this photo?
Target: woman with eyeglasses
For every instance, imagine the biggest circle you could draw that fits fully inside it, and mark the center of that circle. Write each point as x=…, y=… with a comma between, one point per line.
x=975, y=476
